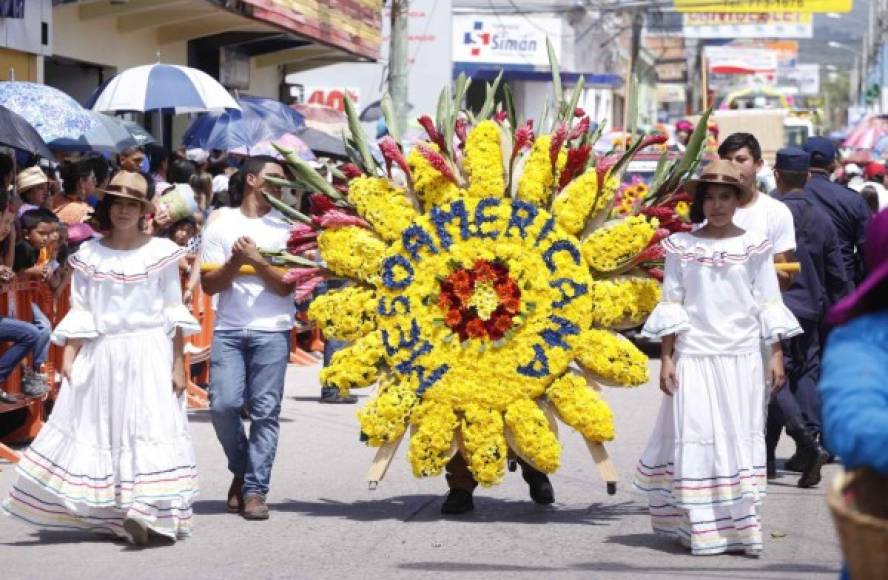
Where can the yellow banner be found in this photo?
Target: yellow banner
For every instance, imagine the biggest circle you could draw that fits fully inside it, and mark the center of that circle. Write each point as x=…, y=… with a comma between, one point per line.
x=763, y=5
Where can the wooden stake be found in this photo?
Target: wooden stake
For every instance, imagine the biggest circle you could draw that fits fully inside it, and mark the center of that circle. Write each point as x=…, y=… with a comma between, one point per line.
x=381, y=462
x=604, y=464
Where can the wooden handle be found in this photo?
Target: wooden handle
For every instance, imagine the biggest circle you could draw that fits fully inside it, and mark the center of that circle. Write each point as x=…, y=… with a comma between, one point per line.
x=244, y=270
x=789, y=267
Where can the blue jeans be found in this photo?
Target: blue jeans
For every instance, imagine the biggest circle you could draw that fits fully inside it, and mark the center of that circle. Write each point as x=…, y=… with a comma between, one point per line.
x=248, y=367
x=331, y=345
x=24, y=338
x=41, y=349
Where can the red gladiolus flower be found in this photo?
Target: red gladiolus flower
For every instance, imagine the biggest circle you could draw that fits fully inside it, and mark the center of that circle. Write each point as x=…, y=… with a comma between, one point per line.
x=351, y=170
x=655, y=139
x=500, y=116
x=429, y=125
x=300, y=275
x=392, y=154
x=576, y=162
x=304, y=290
x=579, y=112
x=522, y=139
x=320, y=203
x=339, y=219
x=559, y=136
x=437, y=161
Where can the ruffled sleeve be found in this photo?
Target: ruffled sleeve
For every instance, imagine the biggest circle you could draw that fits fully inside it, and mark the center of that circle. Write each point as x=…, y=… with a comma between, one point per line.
x=175, y=314
x=670, y=316
x=775, y=319
x=78, y=323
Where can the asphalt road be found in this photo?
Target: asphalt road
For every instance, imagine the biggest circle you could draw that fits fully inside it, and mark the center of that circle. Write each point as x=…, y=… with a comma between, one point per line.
x=326, y=523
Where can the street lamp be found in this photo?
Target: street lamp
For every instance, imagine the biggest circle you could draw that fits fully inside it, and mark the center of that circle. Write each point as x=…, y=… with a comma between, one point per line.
x=858, y=68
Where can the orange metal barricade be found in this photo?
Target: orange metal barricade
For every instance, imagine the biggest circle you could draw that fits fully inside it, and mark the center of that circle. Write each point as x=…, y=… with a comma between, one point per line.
x=198, y=349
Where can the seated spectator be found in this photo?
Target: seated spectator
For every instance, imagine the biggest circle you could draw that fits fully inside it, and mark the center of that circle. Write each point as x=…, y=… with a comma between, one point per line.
x=23, y=336
x=33, y=261
x=78, y=183
x=202, y=185
x=33, y=189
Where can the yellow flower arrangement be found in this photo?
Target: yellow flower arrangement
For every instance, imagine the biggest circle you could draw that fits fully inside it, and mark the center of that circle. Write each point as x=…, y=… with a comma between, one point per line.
x=345, y=314
x=431, y=444
x=530, y=429
x=582, y=408
x=538, y=178
x=623, y=302
x=615, y=244
x=484, y=160
x=431, y=185
x=385, y=418
x=485, y=443
x=574, y=205
x=386, y=208
x=683, y=209
x=612, y=358
x=356, y=365
x=352, y=252
x=478, y=299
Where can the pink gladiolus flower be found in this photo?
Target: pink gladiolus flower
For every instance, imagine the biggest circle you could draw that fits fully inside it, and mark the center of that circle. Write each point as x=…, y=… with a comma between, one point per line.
x=298, y=250
x=579, y=129
x=301, y=232
x=655, y=139
x=579, y=112
x=462, y=131
x=501, y=116
x=304, y=290
x=300, y=275
x=392, y=154
x=320, y=203
x=559, y=136
x=437, y=161
x=603, y=166
x=339, y=219
x=655, y=273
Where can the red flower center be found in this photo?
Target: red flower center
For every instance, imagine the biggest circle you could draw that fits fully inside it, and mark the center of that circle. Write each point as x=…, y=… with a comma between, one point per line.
x=481, y=301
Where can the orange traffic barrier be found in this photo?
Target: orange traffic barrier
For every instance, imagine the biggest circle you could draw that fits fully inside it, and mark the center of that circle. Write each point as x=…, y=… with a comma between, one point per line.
x=198, y=349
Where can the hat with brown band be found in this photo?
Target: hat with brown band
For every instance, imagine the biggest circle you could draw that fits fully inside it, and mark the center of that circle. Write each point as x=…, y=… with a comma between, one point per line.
x=130, y=185
x=721, y=172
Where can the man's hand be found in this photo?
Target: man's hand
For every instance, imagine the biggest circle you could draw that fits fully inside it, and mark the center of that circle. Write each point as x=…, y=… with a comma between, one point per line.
x=668, y=380
x=245, y=251
x=179, y=381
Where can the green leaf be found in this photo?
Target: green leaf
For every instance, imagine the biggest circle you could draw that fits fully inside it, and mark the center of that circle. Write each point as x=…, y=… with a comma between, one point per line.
x=307, y=174
x=286, y=209
x=510, y=106
x=575, y=97
x=462, y=87
x=358, y=137
x=391, y=120
x=490, y=98
x=556, y=75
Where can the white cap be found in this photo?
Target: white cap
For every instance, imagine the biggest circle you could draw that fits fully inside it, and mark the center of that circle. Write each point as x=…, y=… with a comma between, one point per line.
x=853, y=169
x=220, y=183
x=198, y=156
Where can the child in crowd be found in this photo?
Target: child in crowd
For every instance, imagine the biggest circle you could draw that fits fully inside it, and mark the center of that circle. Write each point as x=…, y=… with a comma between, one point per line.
x=34, y=261
x=116, y=455
x=23, y=336
x=33, y=189
x=704, y=465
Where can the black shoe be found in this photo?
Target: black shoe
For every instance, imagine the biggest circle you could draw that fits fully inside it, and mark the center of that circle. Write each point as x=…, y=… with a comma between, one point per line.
x=459, y=501
x=794, y=463
x=811, y=455
x=540, y=487
x=338, y=399
x=813, y=464
x=771, y=469
x=6, y=398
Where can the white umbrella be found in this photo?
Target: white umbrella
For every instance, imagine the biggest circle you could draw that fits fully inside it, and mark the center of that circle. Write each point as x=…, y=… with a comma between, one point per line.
x=165, y=87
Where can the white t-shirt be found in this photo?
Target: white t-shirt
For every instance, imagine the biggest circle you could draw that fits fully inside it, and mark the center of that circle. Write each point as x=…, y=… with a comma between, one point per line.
x=769, y=218
x=247, y=303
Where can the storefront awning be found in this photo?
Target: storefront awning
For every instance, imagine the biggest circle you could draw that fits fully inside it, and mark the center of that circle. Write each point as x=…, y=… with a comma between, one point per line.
x=488, y=72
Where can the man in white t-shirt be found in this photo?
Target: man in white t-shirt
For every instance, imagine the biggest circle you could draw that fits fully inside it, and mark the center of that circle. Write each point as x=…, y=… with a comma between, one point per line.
x=760, y=213
x=251, y=340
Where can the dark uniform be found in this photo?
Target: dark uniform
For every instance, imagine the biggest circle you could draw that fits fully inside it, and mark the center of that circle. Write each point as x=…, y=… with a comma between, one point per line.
x=846, y=209
x=820, y=282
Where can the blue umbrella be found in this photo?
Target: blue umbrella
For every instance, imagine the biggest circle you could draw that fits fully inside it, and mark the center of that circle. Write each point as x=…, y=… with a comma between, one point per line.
x=259, y=120
x=107, y=136
x=54, y=114
x=17, y=133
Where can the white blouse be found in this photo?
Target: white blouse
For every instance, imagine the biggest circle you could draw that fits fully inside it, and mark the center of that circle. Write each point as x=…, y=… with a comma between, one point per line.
x=720, y=296
x=125, y=291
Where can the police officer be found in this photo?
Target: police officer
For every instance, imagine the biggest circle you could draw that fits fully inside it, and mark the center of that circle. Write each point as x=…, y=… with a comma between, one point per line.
x=847, y=210
x=820, y=282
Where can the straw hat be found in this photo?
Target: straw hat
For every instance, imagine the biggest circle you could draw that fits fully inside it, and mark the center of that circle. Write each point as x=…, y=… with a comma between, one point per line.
x=720, y=171
x=129, y=185
x=30, y=177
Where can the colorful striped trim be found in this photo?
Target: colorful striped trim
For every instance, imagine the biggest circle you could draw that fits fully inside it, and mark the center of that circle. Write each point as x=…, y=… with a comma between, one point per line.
x=95, y=274
x=718, y=258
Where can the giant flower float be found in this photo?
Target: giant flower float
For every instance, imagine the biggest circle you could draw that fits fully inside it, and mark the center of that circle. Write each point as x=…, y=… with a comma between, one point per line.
x=487, y=284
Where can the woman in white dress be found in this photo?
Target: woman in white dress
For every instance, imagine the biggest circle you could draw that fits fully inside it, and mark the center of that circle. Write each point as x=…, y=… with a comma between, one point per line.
x=704, y=466
x=116, y=455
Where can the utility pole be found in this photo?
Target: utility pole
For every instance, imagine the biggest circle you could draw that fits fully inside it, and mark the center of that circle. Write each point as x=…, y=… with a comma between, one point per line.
x=397, y=71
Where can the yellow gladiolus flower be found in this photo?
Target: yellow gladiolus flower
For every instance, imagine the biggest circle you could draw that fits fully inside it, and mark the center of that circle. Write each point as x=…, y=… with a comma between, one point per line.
x=484, y=161
x=612, y=358
x=353, y=252
x=615, y=244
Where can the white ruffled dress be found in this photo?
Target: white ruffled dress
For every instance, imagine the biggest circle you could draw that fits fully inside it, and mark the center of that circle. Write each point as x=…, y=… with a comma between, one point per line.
x=704, y=466
x=117, y=443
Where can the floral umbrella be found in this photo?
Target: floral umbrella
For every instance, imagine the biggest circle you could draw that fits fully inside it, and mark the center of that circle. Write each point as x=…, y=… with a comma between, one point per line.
x=54, y=114
x=867, y=134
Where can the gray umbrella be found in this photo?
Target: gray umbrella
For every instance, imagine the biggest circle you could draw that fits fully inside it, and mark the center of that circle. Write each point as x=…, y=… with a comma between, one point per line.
x=138, y=132
x=107, y=135
x=321, y=143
